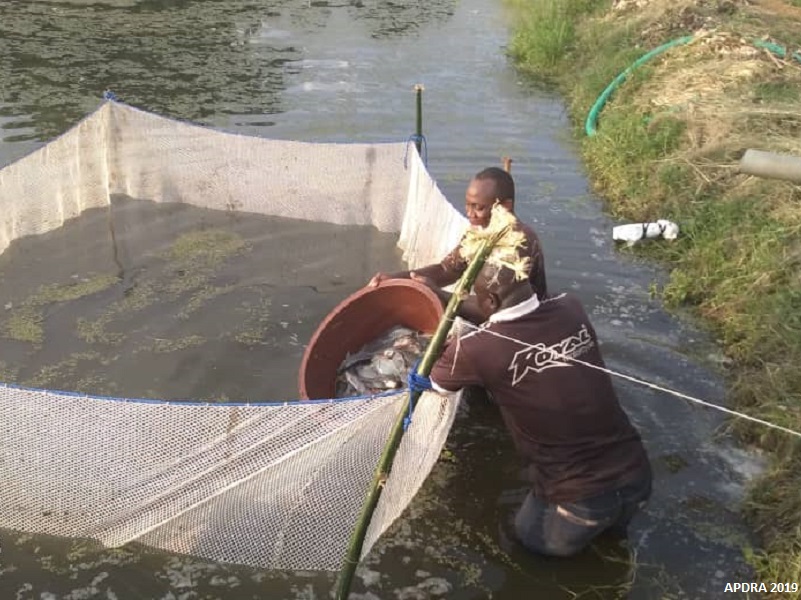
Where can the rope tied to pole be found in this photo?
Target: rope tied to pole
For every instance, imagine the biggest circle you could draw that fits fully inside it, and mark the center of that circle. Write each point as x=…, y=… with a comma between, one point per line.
x=420, y=142
x=416, y=382
x=654, y=386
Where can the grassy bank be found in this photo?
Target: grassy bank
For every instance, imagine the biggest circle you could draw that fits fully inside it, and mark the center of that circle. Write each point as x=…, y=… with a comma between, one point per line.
x=668, y=146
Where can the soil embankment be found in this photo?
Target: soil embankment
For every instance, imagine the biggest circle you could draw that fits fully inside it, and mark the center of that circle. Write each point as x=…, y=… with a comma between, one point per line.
x=667, y=146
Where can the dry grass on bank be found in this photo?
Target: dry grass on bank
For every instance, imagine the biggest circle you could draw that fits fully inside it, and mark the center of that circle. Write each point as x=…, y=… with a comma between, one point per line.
x=668, y=145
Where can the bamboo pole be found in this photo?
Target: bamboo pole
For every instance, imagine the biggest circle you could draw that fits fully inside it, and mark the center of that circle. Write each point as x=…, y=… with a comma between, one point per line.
x=384, y=467
x=418, y=91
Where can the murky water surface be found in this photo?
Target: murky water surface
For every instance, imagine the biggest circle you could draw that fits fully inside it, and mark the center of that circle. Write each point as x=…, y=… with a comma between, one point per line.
x=175, y=302
x=319, y=70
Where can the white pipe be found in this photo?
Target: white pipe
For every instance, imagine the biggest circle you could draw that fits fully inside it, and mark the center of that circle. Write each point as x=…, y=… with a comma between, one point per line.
x=771, y=165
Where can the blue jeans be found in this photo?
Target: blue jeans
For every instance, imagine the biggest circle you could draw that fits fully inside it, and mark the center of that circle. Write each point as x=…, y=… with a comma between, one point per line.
x=566, y=528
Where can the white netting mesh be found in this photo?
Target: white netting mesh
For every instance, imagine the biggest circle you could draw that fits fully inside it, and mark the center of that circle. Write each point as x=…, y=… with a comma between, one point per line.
x=277, y=485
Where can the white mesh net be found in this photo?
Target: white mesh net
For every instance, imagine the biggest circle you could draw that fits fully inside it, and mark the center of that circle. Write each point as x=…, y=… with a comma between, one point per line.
x=275, y=485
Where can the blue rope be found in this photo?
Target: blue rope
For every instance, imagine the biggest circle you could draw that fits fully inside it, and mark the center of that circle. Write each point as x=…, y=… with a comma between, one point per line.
x=417, y=383
x=109, y=95
x=414, y=138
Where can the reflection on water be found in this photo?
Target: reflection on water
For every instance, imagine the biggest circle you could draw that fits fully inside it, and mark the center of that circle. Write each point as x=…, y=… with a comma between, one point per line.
x=187, y=59
x=343, y=71
x=387, y=19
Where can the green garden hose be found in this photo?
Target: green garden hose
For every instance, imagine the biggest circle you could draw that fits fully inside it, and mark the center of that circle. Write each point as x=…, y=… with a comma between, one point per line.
x=591, y=124
x=776, y=49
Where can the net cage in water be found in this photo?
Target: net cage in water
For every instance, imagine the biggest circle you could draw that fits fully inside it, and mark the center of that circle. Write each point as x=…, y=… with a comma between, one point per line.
x=266, y=483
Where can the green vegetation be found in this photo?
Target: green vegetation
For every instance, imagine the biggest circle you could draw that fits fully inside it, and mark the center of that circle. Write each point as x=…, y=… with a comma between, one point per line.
x=25, y=323
x=53, y=376
x=256, y=323
x=667, y=146
x=8, y=372
x=196, y=256
x=550, y=27
x=183, y=273
x=161, y=346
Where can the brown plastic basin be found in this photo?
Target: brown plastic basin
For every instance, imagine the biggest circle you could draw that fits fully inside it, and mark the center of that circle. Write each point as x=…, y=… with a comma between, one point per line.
x=361, y=318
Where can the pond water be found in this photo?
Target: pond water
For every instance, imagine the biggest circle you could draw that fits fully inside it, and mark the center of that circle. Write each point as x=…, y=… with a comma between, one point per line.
x=318, y=70
x=170, y=301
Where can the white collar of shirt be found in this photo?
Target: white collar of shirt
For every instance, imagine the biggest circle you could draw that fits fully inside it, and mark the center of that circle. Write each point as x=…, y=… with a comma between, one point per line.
x=516, y=311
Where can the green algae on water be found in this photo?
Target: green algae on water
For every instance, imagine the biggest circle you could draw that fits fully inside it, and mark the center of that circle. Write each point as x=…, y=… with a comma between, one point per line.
x=25, y=324
x=93, y=332
x=209, y=247
x=61, y=371
x=161, y=346
x=49, y=294
x=201, y=297
x=8, y=373
x=256, y=325
x=190, y=262
x=674, y=462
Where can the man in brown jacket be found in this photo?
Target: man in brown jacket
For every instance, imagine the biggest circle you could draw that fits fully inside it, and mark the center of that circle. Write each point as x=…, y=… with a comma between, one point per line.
x=541, y=363
x=488, y=186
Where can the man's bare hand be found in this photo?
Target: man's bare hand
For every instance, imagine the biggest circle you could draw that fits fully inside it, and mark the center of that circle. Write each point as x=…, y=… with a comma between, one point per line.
x=377, y=279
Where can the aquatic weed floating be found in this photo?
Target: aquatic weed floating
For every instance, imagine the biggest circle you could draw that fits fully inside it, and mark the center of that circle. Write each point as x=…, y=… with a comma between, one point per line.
x=239, y=482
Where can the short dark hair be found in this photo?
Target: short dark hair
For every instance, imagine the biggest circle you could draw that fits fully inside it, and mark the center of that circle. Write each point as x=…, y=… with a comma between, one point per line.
x=504, y=184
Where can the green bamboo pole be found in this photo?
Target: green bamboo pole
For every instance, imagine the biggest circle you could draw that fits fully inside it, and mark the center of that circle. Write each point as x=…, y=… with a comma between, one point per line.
x=388, y=455
x=418, y=90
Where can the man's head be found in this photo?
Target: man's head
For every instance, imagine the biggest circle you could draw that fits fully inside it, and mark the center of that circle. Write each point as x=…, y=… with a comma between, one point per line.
x=484, y=189
x=497, y=288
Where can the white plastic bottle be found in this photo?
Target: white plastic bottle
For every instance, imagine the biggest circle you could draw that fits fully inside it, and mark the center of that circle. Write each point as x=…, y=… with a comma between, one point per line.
x=634, y=232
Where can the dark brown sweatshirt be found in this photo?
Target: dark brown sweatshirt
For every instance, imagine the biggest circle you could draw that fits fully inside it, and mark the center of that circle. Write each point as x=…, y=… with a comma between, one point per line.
x=564, y=417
